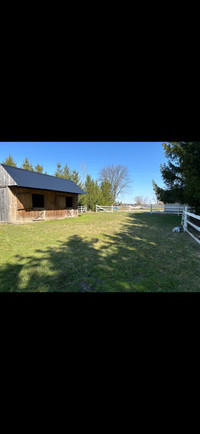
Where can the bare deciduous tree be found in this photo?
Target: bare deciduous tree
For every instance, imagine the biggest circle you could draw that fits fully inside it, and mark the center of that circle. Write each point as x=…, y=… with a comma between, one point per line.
x=138, y=200
x=83, y=172
x=146, y=201
x=118, y=177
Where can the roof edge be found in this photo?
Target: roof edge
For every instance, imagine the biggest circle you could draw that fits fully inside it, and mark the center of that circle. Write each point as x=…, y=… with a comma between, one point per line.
x=45, y=189
x=13, y=180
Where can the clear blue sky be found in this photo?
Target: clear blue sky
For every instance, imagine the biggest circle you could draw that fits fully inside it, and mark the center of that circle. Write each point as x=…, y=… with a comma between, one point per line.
x=143, y=160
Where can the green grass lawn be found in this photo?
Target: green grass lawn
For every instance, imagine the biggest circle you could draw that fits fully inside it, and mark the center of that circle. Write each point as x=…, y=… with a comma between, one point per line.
x=99, y=252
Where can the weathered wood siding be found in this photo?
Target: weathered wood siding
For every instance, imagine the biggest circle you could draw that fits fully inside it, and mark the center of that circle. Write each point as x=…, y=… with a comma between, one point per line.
x=20, y=200
x=5, y=178
x=4, y=204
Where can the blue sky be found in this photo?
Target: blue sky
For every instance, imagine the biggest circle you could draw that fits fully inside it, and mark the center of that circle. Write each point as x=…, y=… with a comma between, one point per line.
x=143, y=160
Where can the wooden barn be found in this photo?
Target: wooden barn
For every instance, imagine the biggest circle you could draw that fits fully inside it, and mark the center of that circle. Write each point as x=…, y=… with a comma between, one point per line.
x=29, y=196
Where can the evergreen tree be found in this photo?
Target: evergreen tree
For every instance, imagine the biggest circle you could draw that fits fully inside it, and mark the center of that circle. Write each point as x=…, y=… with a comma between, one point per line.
x=38, y=168
x=91, y=193
x=181, y=175
x=59, y=171
x=82, y=199
x=95, y=194
x=75, y=177
x=9, y=161
x=105, y=193
x=26, y=165
x=66, y=172
x=63, y=172
x=88, y=191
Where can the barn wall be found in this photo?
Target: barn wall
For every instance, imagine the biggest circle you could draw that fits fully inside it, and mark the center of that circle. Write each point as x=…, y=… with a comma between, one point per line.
x=5, y=181
x=12, y=199
x=54, y=205
x=5, y=178
x=4, y=204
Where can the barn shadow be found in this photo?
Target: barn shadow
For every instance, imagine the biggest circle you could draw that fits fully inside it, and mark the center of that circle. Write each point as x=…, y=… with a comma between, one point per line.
x=117, y=262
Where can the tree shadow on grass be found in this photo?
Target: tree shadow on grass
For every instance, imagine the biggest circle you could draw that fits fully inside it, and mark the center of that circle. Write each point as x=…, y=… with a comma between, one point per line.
x=10, y=277
x=128, y=260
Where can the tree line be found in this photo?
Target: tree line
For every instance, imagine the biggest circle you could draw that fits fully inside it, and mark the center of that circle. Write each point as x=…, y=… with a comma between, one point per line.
x=112, y=181
x=26, y=165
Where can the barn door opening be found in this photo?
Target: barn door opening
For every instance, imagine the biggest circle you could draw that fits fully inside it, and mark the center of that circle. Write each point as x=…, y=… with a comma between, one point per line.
x=38, y=200
x=38, y=206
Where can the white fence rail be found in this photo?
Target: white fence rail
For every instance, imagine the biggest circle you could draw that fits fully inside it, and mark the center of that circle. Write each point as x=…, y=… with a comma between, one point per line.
x=174, y=209
x=82, y=209
x=104, y=208
x=146, y=208
x=177, y=210
x=186, y=222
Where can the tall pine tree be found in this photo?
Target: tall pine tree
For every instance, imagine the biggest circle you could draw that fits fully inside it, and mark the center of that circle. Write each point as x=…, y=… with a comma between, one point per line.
x=38, y=168
x=63, y=172
x=9, y=161
x=27, y=165
x=66, y=173
x=92, y=193
x=106, y=197
x=181, y=175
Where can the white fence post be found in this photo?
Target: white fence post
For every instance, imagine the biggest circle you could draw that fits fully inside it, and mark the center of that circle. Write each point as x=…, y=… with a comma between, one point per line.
x=185, y=218
x=112, y=208
x=96, y=208
x=82, y=209
x=151, y=209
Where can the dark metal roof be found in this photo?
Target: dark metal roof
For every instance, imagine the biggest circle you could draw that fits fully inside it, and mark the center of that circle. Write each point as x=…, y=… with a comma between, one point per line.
x=26, y=178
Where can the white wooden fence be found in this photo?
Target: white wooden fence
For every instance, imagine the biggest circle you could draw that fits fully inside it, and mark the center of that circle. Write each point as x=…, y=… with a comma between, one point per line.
x=186, y=222
x=104, y=208
x=178, y=210
x=82, y=209
x=146, y=208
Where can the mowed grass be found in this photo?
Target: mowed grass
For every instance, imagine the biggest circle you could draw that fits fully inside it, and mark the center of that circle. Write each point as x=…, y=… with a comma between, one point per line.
x=99, y=253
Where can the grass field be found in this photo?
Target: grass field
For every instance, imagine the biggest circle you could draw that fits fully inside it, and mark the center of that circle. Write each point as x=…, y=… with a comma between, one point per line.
x=99, y=252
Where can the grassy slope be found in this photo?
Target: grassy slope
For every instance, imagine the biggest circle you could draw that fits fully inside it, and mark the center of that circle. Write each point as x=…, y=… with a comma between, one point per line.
x=99, y=252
